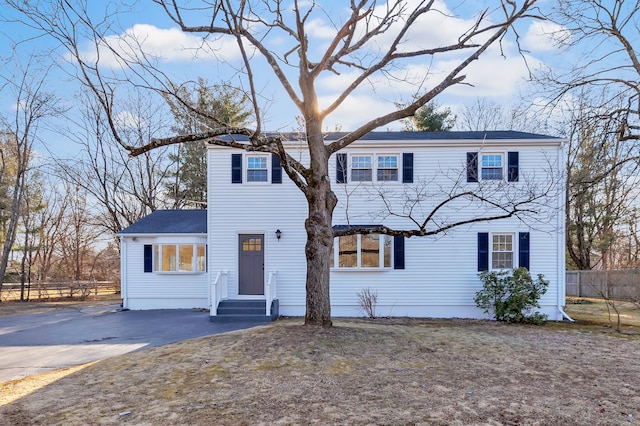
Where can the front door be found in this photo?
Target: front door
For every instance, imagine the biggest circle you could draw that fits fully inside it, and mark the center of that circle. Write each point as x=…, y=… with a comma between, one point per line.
x=251, y=259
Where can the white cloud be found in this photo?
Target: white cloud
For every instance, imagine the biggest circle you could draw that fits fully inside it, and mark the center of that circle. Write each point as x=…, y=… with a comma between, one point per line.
x=158, y=44
x=545, y=36
x=350, y=114
x=317, y=28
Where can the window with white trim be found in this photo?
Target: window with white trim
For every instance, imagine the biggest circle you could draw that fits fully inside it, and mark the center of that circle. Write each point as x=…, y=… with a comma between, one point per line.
x=501, y=251
x=387, y=168
x=491, y=166
x=362, y=251
x=361, y=170
x=186, y=258
x=257, y=168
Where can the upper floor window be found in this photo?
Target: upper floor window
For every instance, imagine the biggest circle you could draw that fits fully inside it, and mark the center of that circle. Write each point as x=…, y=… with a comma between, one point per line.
x=387, y=168
x=179, y=258
x=257, y=169
x=491, y=166
x=361, y=168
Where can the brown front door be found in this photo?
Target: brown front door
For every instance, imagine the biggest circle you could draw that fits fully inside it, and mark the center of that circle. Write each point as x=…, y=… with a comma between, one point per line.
x=251, y=259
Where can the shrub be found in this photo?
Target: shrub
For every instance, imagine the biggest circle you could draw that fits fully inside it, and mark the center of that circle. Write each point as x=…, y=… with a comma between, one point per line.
x=368, y=301
x=512, y=296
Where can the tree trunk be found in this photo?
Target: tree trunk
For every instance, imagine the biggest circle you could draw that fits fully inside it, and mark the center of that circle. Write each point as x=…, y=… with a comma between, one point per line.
x=321, y=202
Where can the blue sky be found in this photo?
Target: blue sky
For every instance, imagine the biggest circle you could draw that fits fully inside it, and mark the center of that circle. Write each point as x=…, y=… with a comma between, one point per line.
x=500, y=75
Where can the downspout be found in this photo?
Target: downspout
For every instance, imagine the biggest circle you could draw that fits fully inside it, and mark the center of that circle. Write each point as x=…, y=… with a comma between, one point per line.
x=562, y=267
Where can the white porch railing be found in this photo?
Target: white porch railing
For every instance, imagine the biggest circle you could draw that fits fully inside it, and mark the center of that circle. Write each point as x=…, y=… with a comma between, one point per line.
x=270, y=291
x=219, y=289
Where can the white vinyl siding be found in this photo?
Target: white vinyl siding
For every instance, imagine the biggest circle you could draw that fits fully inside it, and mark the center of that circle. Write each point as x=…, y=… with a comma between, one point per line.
x=440, y=276
x=162, y=290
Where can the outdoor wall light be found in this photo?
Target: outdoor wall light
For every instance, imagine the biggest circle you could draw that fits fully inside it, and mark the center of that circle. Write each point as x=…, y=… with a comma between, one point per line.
x=278, y=234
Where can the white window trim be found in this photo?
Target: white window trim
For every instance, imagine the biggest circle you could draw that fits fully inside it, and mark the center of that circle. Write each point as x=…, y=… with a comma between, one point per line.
x=157, y=260
x=245, y=169
x=514, y=251
x=359, y=267
x=503, y=155
x=374, y=167
x=397, y=168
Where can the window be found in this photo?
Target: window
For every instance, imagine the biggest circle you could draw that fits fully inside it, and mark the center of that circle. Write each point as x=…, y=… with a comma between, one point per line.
x=257, y=169
x=502, y=251
x=491, y=167
x=179, y=258
x=387, y=168
x=362, y=251
x=361, y=168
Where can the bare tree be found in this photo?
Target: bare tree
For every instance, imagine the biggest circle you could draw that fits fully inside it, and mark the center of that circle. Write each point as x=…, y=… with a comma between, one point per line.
x=368, y=42
x=33, y=104
x=601, y=186
x=600, y=38
x=485, y=114
x=75, y=249
x=125, y=189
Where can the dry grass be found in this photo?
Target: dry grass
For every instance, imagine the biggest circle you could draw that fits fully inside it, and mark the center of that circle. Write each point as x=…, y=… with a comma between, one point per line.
x=394, y=371
x=9, y=308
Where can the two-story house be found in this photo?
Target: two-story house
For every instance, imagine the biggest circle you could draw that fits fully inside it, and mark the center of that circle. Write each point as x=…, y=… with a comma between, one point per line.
x=249, y=245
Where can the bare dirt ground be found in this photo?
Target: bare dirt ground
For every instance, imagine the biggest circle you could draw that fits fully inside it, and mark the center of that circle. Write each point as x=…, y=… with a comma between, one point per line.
x=361, y=372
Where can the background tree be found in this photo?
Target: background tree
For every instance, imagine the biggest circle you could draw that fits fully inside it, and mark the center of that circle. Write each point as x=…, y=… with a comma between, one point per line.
x=33, y=104
x=484, y=114
x=367, y=41
x=600, y=38
x=124, y=189
x=198, y=109
x=602, y=177
x=430, y=117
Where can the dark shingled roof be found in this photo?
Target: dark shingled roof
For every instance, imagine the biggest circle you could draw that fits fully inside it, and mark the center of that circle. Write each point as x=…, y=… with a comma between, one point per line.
x=170, y=222
x=403, y=136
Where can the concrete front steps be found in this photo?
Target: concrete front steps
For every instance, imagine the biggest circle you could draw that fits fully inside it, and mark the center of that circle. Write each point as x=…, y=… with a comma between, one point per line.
x=238, y=310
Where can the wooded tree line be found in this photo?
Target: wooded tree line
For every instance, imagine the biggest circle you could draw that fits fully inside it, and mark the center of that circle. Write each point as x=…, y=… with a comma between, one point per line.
x=594, y=104
x=59, y=216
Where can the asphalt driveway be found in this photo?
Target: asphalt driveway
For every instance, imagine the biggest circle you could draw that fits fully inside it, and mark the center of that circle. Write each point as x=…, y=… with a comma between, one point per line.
x=36, y=343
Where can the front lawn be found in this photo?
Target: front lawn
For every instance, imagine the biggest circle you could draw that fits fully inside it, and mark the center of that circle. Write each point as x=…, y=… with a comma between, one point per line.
x=387, y=371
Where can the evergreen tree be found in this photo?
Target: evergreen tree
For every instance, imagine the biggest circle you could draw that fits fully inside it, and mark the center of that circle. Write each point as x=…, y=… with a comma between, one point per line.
x=204, y=108
x=429, y=119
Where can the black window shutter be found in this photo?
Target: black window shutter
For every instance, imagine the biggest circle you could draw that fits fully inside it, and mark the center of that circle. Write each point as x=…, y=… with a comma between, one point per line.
x=398, y=252
x=512, y=166
x=276, y=169
x=483, y=251
x=407, y=167
x=236, y=168
x=148, y=258
x=341, y=168
x=472, y=166
x=523, y=250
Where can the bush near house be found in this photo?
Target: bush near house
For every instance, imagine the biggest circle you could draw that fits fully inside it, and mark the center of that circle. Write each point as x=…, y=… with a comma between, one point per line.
x=512, y=295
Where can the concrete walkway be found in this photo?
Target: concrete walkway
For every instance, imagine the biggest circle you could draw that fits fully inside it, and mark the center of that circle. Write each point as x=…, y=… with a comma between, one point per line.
x=36, y=343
